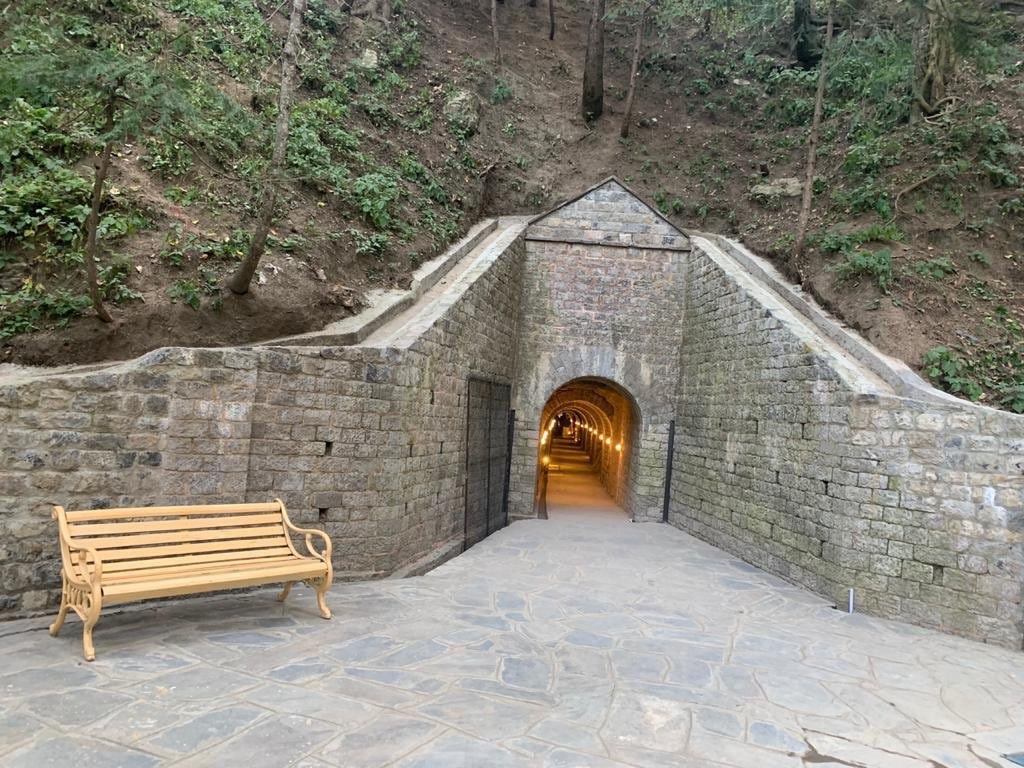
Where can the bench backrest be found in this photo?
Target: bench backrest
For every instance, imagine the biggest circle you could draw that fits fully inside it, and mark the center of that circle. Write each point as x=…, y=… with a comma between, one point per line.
x=139, y=538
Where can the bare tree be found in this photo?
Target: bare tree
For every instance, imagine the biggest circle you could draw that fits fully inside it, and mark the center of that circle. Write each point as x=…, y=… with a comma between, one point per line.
x=240, y=280
x=637, y=45
x=92, y=223
x=593, y=68
x=933, y=54
x=494, y=31
x=812, y=145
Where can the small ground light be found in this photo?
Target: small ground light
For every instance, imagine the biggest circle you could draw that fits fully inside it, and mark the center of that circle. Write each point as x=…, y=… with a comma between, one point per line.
x=545, y=460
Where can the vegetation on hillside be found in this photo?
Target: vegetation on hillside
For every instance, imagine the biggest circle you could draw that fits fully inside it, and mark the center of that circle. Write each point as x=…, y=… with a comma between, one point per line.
x=181, y=94
x=914, y=227
x=919, y=191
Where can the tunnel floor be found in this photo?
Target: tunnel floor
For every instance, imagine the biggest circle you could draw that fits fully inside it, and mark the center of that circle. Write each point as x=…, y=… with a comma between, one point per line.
x=552, y=643
x=574, y=488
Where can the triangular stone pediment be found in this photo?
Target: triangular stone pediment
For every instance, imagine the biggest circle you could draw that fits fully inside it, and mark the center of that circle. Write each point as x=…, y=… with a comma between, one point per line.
x=608, y=214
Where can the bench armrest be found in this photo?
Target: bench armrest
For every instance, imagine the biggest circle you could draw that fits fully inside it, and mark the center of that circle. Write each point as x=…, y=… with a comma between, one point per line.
x=71, y=553
x=309, y=533
x=85, y=554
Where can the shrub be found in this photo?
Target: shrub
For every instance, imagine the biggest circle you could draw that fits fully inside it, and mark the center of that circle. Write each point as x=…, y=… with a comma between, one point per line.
x=50, y=205
x=950, y=371
x=876, y=265
x=501, y=93
x=191, y=291
x=936, y=269
x=169, y=158
x=370, y=243
x=835, y=242
x=405, y=49
x=114, y=282
x=373, y=194
x=28, y=308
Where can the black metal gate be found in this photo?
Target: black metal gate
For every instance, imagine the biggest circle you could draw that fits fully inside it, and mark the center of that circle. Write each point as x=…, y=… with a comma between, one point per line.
x=489, y=424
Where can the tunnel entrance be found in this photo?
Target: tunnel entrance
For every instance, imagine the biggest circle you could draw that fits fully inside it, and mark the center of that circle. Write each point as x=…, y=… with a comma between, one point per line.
x=587, y=432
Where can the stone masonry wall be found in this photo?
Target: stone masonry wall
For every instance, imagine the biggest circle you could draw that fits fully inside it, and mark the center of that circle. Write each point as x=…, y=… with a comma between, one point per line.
x=591, y=309
x=791, y=464
x=366, y=443
x=791, y=451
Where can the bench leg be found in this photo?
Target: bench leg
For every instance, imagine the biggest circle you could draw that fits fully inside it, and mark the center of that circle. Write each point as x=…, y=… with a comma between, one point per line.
x=321, y=595
x=285, y=591
x=61, y=614
x=90, y=614
x=64, y=608
x=59, y=621
x=87, y=646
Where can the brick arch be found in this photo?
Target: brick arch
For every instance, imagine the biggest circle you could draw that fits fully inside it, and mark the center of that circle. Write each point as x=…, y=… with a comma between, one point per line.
x=614, y=413
x=596, y=408
x=568, y=394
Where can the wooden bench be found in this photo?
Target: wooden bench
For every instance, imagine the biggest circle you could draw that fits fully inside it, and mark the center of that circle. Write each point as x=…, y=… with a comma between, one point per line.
x=112, y=556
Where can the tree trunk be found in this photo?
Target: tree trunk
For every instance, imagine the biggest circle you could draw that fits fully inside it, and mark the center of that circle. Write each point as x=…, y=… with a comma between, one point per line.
x=637, y=43
x=812, y=148
x=92, y=223
x=933, y=56
x=551, y=19
x=806, y=45
x=593, y=68
x=494, y=31
x=240, y=280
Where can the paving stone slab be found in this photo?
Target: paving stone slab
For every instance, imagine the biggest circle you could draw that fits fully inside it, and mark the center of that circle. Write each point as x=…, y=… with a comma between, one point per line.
x=380, y=742
x=458, y=751
x=278, y=741
x=78, y=752
x=684, y=658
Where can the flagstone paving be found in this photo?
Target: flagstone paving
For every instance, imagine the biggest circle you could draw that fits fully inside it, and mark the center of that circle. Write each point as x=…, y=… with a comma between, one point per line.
x=560, y=643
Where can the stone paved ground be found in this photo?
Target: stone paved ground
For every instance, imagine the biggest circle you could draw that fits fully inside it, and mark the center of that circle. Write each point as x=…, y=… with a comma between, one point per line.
x=553, y=643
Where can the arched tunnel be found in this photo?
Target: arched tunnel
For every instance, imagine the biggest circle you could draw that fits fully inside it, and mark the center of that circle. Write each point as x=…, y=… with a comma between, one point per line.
x=588, y=431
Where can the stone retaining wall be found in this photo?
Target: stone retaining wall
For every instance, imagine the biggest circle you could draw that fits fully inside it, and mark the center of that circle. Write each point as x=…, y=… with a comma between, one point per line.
x=809, y=469
x=798, y=448
x=367, y=443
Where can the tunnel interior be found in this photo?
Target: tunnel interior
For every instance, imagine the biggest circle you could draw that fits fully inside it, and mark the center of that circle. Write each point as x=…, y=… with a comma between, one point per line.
x=588, y=430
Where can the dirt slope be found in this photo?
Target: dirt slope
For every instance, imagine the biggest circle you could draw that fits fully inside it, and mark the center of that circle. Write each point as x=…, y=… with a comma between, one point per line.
x=707, y=130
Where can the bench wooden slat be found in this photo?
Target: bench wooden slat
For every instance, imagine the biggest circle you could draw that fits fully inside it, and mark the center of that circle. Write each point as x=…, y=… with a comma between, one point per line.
x=140, y=553
x=149, y=574
x=103, y=543
x=191, y=584
x=82, y=515
x=176, y=524
x=216, y=557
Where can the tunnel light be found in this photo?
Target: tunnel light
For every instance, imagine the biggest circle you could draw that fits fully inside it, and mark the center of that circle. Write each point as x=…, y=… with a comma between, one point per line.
x=608, y=441
x=545, y=460
x=618, y=447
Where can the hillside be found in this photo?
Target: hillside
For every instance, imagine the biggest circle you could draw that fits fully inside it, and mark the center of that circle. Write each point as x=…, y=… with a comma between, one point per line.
x=916, y=234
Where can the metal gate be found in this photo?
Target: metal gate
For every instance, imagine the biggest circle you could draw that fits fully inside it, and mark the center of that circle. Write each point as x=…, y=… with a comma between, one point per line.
x=489, y=424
